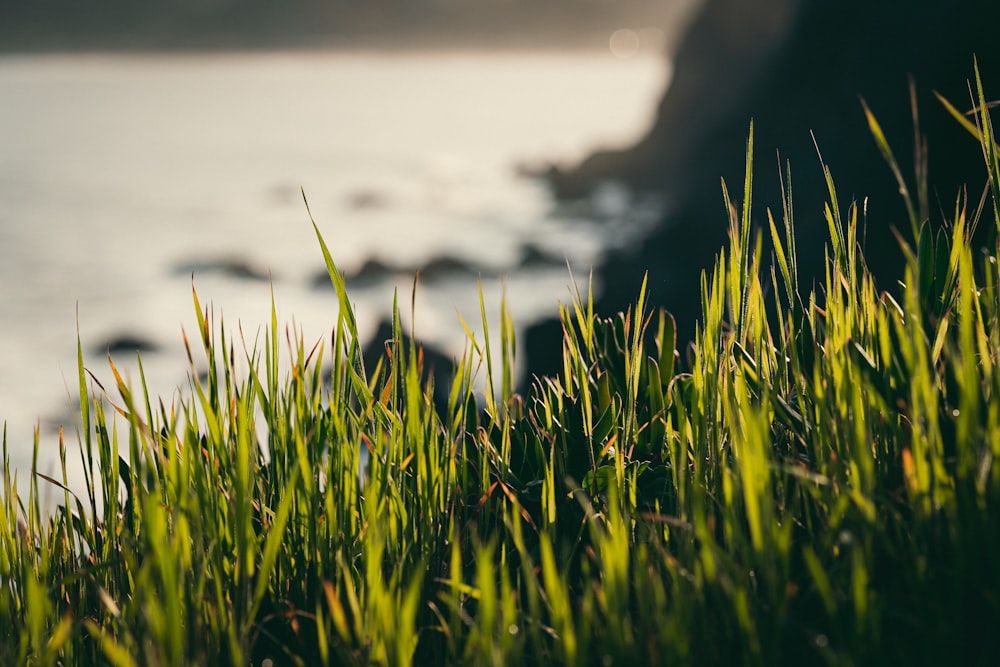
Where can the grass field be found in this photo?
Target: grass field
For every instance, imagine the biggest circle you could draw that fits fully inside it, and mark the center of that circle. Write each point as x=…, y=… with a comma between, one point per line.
x=815, y=481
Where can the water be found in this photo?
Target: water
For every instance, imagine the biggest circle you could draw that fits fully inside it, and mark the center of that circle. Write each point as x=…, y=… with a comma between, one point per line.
x=121, y=176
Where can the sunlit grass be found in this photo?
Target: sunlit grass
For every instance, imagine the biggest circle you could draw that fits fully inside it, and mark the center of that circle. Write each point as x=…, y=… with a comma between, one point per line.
x=814, y=481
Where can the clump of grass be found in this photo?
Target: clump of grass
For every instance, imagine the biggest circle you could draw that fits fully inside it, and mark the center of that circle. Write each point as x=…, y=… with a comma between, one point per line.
x=816, y=482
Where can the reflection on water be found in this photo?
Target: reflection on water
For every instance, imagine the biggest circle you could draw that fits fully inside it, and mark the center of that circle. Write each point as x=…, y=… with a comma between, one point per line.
x=121, y=177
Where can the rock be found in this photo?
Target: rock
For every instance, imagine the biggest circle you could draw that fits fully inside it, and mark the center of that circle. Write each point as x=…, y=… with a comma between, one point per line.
x=447, y=266
x=436, y=364
x=366, y=199
x=533, y=257
x=125, y=344
x=65, y=419
x=798, y=68
x=375, y=271
x=542, y=345
x=372, y=272
x=227, y=267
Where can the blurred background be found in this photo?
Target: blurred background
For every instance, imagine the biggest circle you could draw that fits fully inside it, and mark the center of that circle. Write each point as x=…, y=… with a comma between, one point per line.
x=144, y=146
x=34, y=25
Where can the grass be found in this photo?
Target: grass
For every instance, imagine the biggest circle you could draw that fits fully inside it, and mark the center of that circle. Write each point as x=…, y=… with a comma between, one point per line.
x=815, y=481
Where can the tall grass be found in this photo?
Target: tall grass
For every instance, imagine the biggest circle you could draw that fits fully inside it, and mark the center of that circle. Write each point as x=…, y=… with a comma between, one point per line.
x=814, y=481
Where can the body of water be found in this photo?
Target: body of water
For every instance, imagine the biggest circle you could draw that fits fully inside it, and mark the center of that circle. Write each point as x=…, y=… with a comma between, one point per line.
x=122, y=176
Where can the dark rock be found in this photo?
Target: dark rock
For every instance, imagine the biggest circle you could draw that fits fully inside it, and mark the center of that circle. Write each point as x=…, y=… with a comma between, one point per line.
x=125, y=344
x=375, y=271
x=543, y=347
x=320, y=280
x=363, y=200
x=65, y=419
x=434, y=363
x=227, y=267
x=445, y=266
x=372, y=272
x=798, y=68
x=533, y=257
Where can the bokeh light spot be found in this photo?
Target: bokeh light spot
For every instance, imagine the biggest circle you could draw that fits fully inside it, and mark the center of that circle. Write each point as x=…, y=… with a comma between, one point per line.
x=624, y=43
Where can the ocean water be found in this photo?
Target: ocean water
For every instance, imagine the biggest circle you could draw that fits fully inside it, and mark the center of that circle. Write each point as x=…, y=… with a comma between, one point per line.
x=125, y=180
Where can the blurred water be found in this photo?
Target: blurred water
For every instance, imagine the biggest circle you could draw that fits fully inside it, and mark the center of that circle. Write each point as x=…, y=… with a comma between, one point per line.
x=120, y=176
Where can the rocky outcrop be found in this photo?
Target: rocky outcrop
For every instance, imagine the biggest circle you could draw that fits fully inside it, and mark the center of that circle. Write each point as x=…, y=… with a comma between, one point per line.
x=433, y=363
x=799, y=68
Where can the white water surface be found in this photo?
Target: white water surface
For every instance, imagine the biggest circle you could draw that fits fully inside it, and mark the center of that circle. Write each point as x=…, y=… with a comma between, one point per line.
x=121, y=175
